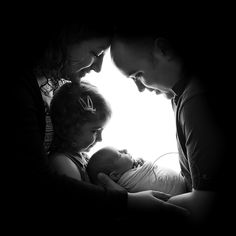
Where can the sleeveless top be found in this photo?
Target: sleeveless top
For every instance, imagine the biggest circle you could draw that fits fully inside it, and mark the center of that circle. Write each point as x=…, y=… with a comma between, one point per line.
x=81, y=161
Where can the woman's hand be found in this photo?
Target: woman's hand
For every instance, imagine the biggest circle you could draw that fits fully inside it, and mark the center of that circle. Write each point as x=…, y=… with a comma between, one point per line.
x=108, y=183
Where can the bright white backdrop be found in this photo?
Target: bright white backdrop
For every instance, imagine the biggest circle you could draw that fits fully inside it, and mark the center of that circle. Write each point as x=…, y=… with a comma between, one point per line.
x=143, y=123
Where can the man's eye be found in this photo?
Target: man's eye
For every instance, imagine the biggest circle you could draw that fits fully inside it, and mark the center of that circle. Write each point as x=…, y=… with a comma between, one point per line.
x=136, y=76
x=139, y=74
x=133, y=78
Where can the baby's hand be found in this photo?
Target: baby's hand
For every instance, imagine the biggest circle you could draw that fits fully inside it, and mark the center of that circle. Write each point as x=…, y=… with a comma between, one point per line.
x=138, y=162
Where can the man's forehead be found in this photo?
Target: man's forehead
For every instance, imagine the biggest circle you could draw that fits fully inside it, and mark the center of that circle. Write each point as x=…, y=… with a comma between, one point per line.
x=123, y=58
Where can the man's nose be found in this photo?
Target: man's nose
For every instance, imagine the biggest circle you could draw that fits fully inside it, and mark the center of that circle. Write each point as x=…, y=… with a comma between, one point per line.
x=140, y=86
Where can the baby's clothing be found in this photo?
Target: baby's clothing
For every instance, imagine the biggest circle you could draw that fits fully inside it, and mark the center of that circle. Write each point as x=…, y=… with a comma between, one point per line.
x=151, y=176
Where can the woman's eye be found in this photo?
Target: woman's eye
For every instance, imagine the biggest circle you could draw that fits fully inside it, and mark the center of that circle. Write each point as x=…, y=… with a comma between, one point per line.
x=98, y=54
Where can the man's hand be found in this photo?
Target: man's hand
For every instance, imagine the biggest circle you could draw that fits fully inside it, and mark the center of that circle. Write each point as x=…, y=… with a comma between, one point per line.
x=145, y=201
x=150, y=201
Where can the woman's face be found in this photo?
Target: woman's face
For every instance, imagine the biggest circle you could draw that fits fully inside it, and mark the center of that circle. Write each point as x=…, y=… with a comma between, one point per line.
x=84, y=57
x=89, y=135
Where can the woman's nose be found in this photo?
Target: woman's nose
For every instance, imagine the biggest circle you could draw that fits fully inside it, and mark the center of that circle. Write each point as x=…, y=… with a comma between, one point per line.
x=97, y=64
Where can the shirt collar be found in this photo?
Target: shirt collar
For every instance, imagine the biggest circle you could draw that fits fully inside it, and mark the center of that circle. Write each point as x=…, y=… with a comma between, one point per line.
x=178, y=89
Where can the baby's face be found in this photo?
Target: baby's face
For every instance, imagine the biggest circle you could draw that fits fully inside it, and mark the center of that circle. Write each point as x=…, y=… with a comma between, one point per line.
x=123, y=161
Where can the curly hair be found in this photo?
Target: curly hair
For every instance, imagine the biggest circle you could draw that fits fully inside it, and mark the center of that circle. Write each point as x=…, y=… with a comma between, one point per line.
x=52, y=59
x=68, y=115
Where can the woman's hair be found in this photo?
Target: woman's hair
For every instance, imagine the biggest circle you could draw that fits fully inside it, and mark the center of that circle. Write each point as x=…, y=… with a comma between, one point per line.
x=73, y=105
x=52, y=58
x=42, y=43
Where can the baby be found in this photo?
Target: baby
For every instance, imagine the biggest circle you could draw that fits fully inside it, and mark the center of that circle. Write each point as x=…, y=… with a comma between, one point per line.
x=134, y=175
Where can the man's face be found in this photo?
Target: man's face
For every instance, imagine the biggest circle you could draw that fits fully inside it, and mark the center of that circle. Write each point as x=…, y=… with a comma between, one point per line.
x=149, y=70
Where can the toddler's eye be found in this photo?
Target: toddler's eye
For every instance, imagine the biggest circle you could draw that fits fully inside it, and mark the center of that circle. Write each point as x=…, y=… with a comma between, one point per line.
x=97, y=131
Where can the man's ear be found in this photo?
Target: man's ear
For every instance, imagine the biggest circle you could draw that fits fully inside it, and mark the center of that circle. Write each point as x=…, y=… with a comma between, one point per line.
x=162, y=47
x=114, y=175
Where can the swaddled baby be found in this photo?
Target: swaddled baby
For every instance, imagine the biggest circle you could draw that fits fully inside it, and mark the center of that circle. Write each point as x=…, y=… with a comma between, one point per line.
x=134, y=175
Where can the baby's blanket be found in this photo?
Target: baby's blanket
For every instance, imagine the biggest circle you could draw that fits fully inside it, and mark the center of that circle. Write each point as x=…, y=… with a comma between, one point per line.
x=151, y=176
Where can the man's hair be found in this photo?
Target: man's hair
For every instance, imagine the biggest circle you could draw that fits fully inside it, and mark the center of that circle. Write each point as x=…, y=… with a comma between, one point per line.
x=187, y=43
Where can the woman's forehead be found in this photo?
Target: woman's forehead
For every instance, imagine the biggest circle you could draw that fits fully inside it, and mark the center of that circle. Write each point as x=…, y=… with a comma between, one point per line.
x=97, y=43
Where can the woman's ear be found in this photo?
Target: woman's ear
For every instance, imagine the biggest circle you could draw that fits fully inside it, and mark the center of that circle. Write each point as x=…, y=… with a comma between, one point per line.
x=114, y=175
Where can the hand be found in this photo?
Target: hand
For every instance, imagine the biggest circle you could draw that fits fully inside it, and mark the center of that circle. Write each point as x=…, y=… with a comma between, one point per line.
x=162, y=196
x=140, y=161
x=108, y=183
x=150, y=201
x=145, y=200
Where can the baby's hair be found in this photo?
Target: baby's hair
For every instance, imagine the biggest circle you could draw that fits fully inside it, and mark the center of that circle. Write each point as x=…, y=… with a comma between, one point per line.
x=100, y=161
x=69, y=115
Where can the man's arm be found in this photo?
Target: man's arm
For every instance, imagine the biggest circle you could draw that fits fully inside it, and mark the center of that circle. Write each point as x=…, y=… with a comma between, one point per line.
x=199, y=203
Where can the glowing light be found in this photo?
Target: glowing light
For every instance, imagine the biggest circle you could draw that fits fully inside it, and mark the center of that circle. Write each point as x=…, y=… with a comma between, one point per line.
x=143, y=123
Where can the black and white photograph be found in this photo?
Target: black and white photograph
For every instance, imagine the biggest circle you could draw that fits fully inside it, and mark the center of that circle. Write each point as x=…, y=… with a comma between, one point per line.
x=119, y=123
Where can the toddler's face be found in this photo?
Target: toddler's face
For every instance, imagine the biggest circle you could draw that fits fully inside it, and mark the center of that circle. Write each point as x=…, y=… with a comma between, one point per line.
x=89, y=135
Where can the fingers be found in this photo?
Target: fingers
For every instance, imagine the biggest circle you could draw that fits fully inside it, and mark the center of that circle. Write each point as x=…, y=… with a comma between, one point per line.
x=103, y=179
x=124, y=151
x=108, y=183
x=161, y=195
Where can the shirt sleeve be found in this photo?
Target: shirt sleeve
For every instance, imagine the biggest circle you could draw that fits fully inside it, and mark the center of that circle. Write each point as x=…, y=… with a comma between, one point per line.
x=203, y=141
